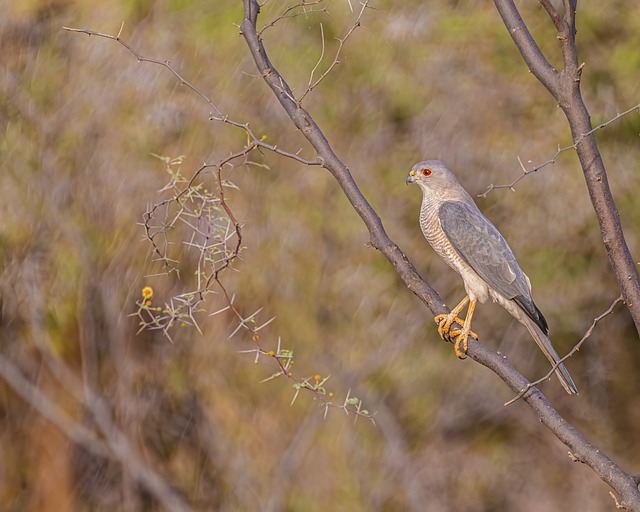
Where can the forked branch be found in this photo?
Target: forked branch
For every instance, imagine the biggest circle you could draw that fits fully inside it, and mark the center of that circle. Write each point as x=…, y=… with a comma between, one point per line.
x=564, y=86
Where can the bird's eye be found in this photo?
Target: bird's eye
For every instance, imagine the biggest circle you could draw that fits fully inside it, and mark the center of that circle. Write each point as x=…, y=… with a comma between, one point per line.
x=426, y=172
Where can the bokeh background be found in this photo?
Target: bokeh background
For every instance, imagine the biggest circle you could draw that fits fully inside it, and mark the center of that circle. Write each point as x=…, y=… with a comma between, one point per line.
x=80, y=119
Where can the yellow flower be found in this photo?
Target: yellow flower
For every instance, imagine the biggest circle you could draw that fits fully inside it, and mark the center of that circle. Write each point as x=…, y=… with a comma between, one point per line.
x=147, y=292
x=317, y=377
x=148, y=303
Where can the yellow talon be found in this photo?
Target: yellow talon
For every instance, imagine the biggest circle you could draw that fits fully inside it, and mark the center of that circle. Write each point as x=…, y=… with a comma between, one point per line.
x=439, y=318
x=457, y=333
x=445, y=322
x=461, y=354
x=461, y=336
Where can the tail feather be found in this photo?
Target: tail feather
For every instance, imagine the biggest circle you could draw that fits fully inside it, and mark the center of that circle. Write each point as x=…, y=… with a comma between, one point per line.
x=545, y=345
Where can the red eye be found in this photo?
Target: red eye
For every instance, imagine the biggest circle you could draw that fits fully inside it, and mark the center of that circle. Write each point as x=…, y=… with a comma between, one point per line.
x=426, y=172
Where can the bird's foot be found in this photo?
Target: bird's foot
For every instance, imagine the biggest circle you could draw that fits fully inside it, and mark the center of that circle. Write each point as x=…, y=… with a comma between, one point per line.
x=444, y=325
x=459, y=336
x=462, y=338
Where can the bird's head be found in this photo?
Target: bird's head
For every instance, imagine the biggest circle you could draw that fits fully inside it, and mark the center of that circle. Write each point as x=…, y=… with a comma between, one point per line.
x=435, y=179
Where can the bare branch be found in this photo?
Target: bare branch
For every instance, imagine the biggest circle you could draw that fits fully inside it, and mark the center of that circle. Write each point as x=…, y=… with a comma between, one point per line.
x=570, y=14
x=336, y=60
x=553, y=14
x=553, y=159
x=309, y=85
x=575, y=349
x=565, y=88
x=217, y=114
x=287, y=13
x=301, y=118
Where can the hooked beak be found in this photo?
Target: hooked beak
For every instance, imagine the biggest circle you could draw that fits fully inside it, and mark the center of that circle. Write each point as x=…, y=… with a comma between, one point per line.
x=411, y=178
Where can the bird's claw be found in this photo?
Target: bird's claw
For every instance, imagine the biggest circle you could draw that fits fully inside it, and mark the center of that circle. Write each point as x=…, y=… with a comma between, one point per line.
x=458, y=336
x=444, y=325
x=462, y=338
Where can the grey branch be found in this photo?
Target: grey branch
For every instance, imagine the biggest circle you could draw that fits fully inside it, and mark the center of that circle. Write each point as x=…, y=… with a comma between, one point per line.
x=564, y=86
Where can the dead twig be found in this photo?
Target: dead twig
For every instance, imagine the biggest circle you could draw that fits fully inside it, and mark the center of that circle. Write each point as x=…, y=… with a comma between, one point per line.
x=575, y=349
x=552, y=160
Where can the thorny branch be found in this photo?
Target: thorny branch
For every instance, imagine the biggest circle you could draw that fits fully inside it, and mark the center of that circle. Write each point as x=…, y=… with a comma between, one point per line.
x=212, y=234
x=288, y=12
x=217, y=114
x=560, y=150
x=575, y=349
x=336, y=59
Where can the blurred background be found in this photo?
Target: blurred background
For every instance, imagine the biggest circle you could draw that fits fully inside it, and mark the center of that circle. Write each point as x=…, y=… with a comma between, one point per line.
x=80, y=119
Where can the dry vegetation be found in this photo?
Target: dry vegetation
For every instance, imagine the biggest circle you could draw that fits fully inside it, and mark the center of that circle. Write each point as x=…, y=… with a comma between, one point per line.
x=80, y=120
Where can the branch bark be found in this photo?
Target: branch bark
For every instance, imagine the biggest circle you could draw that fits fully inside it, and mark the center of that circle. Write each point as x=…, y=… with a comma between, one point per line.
x=580, y=448
x=564, y=86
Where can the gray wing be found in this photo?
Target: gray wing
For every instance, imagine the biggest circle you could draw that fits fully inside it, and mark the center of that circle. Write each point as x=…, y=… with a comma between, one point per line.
x=484, y=249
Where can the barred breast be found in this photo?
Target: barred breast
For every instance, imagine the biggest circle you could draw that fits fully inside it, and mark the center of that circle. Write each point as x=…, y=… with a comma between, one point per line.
x=430, y=225
x=475, y=286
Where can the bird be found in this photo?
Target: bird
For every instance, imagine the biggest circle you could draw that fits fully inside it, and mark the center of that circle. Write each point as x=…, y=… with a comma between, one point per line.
x=472, y=246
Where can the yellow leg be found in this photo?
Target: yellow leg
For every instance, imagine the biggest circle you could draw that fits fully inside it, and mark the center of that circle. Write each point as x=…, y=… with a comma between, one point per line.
x=462, y=336
x=444, y=321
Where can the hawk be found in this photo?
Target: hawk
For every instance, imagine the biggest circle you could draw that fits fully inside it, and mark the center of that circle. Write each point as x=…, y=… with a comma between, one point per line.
x=471, y=245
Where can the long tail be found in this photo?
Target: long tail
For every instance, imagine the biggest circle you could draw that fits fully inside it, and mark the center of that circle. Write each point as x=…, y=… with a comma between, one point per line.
x=545, y=345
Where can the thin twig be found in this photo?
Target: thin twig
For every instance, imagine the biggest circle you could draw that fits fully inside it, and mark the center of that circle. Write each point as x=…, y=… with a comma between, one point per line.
x=336, y=59
x=287, y=13
x=148, y=316
x=575, y=349
x=218, y=115
x=552, y=160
